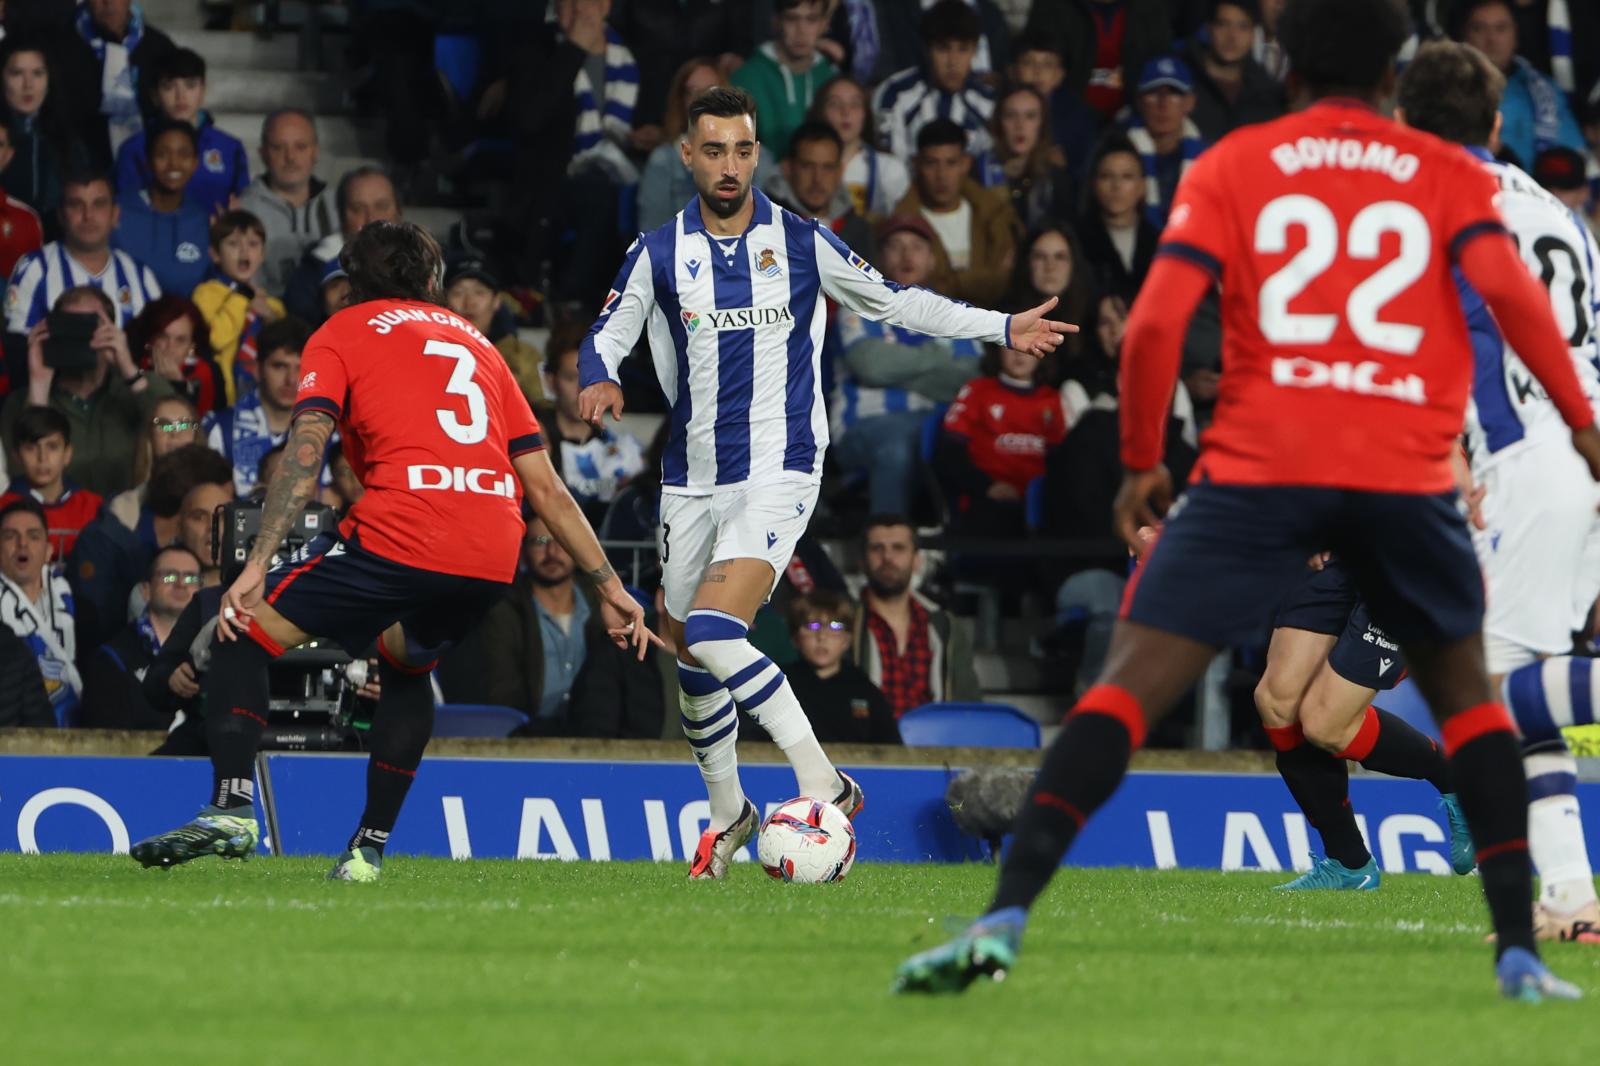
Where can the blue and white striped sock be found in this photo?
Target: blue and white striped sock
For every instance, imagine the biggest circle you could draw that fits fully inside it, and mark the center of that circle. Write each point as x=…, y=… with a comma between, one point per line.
x=720, y=643
x=712, y=726
x=1545, y=697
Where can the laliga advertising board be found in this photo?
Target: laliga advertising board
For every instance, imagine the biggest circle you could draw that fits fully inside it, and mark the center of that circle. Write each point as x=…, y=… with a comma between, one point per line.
x=503, y=808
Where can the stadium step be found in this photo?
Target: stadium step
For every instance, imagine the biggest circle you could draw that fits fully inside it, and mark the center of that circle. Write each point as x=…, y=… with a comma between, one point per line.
x=266, y=90
x=171, y=16
x=239, y=52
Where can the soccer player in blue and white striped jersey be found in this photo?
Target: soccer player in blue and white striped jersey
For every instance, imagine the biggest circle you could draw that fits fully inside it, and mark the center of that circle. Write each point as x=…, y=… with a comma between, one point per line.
x=83, y=256
x=731, y=291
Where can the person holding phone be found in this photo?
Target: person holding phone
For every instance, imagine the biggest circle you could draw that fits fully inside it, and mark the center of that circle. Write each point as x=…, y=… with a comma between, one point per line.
x=79, y=364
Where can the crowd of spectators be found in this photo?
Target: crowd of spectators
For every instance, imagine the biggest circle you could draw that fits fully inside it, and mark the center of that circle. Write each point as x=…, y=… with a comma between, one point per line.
x=1001, y=152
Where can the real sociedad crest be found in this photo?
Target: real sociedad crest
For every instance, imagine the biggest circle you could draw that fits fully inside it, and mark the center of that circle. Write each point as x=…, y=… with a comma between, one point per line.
x=767, y=263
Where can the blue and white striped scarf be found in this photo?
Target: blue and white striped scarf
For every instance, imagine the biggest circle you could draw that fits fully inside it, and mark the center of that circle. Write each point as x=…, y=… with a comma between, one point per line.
x=1558, y=20
x=119, y=78
x=604, y=127
x=1190, y=146
x=1546, y=101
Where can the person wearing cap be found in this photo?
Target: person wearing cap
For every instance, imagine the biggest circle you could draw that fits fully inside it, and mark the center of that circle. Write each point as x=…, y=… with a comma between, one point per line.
x=1166, y=138
x=335, y=289
x=472, y=291
x=1231, y=89
x=1564, y=173
x=890, y=379
x=975, y=229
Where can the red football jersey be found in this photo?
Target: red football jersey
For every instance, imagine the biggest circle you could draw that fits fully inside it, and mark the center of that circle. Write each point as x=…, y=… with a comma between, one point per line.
x=65, y=518
x=20, y=232
x=1346, y=359
x=430, y=418
x=1008, y=429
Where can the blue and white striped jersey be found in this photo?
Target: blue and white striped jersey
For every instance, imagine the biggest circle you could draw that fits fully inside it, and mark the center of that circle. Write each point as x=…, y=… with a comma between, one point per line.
x=40, y=277
x=1508, y=404
x=907, y=101
x=735, y=327
x=854, y=401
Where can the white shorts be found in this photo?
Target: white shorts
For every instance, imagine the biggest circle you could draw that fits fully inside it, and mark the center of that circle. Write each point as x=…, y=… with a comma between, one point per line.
x=1540, y=553
x=762, y=521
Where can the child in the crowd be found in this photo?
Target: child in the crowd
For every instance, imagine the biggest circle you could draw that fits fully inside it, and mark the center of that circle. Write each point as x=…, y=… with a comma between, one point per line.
x=844, y=706
x=42, y=441
x=995, y=438
x=180, y=94
x=159, y=225
x=234, y=308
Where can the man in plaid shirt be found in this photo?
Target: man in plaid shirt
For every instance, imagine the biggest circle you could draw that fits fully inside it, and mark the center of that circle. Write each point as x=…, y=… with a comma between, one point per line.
x=908, y=646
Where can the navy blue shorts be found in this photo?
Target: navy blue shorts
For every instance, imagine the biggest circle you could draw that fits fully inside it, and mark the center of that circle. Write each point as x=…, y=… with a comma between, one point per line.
x=1326, y=601
x=1227, y=553
x=335, y=589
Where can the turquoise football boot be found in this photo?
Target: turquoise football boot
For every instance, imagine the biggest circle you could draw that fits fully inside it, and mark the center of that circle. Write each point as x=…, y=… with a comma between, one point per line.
x=987, y=948
x=1331, y=874
x=1463, y=855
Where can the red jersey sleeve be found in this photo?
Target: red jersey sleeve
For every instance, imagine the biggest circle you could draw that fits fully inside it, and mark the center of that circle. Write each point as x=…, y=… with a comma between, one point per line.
x=1470, y=199
x=523, y=434
x=1198, y=226
x=324, y=378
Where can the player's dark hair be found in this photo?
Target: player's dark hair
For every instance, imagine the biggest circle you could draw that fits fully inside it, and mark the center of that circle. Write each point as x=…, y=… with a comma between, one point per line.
x=393, y=261
x=1343, y=47
x=163, y=126
x=950, y=20
x=236, y=221
x=168, y=549
x=939, y=133
x=1251, y=8
x=87, y=292
x=174, y=474
x=287, y=333
x=34, y=424
x=25, y=505
x=341, y=192
x=180, y=63
x=721, y=101
x=888, y=521
x=812, y=130
x=565, y=336
x=1451, y=90
x=818, y=604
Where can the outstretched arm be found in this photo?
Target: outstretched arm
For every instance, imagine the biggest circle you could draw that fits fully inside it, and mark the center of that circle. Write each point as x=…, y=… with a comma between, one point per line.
x=553, y=503
x=855, y=283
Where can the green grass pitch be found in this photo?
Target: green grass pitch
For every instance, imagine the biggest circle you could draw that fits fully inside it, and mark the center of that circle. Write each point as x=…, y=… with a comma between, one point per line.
x=548, y=963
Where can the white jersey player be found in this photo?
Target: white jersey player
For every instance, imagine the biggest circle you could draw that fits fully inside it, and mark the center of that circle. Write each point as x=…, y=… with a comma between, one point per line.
x=1540, y=545
x=732, y=295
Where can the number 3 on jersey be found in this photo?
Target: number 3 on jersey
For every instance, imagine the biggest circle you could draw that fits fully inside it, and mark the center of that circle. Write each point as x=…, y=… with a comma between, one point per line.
x=1363, y=241
x=476, y=427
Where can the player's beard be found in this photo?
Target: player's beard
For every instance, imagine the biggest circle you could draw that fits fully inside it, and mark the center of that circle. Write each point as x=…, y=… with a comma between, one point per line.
x=726, y=208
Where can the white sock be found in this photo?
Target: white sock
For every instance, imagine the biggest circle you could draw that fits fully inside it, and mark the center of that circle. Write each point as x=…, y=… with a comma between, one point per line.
x=719, y=643
x=1555, y=833
x=712, y=726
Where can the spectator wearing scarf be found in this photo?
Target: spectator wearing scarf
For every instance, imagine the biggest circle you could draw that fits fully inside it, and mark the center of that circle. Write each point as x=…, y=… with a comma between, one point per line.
x=605, y=111
x=1534, y=113
x=1165, y=160
x=123, y=46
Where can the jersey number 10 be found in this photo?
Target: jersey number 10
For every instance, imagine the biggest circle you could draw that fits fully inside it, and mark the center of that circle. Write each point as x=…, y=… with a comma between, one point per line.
x=1363, y=240
x=476, y=428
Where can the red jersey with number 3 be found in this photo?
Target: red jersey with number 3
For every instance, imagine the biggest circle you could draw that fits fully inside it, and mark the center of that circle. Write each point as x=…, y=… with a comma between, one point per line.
x=1346, y=359
x=430, y=418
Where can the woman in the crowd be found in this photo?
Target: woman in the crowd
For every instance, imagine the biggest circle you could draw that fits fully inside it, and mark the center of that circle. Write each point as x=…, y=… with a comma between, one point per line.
x=1051, y=263
x=43, y=148
x=173, y=424
x=170, y=339
x=1119, y=242
x=1025, y=160
x=875, y=180
x=666, y=186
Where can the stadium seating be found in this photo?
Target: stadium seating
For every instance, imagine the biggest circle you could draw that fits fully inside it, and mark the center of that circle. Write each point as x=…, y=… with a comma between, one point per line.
x=475, y=720
x=968, y=725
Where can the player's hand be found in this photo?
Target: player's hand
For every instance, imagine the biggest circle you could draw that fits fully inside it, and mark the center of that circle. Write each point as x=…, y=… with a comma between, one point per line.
x=1031, y=332
x=624, y=619
x=599, y=398
x=1587, y=443
x=1141, y=501
x=239, y=602
x=183, y=683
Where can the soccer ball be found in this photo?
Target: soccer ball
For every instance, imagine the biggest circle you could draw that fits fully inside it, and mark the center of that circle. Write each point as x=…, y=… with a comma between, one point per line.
x=807, y=841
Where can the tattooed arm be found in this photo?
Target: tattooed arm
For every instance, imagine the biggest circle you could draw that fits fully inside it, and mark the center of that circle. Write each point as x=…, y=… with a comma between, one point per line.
x=550, y=500
x=295, y=484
